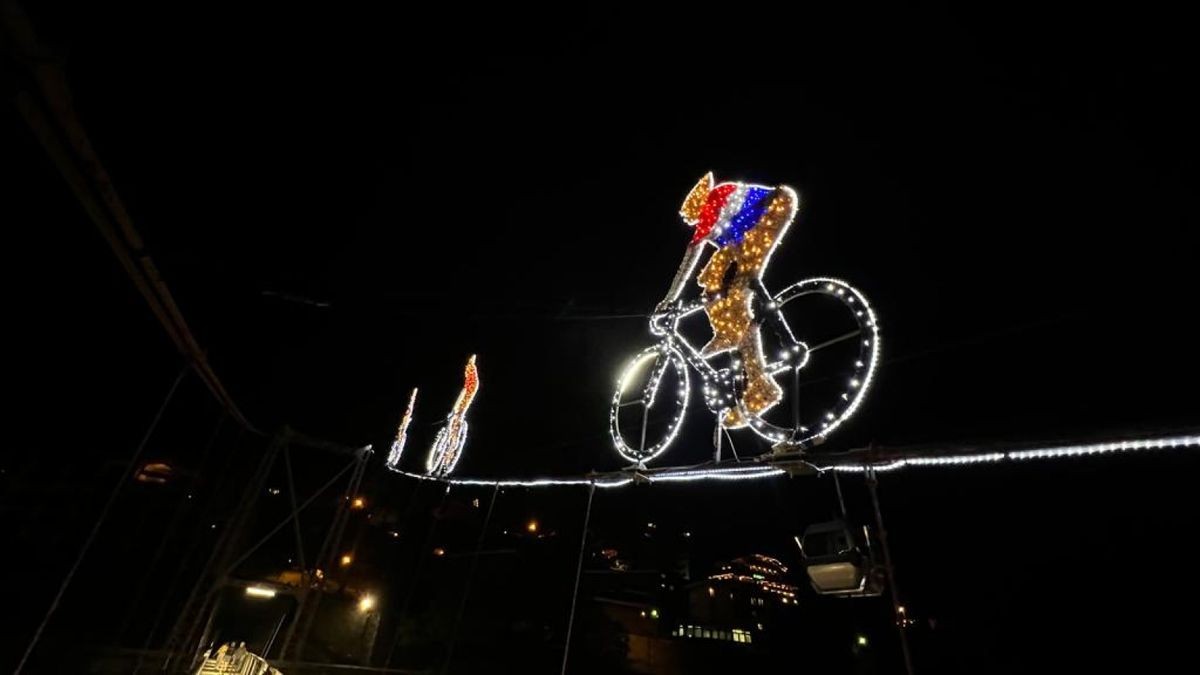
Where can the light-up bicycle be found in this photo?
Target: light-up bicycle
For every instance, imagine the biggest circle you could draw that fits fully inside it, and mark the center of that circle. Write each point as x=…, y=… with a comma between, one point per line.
x=646, y=414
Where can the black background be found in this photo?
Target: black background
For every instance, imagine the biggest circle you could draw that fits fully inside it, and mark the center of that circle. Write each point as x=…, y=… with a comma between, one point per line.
x=1013, y=191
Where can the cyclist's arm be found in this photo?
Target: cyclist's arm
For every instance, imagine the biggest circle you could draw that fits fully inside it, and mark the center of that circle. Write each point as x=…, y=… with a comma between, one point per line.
x=682, y=275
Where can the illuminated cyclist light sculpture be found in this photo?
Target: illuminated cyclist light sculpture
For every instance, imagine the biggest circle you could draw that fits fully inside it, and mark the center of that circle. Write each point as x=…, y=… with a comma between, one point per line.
x=448, y=444
x=393, y=458
x=744, y=223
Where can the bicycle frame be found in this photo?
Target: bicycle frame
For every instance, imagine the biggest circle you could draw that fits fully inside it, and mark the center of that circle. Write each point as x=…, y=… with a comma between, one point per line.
x=671, y=337
x=722, y=386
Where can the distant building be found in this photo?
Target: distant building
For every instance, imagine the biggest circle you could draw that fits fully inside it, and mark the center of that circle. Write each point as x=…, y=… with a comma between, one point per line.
x=738, y=602
x=652, y=621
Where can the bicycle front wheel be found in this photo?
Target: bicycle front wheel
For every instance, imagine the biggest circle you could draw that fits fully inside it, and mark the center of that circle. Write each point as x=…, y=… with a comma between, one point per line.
x=649, y=404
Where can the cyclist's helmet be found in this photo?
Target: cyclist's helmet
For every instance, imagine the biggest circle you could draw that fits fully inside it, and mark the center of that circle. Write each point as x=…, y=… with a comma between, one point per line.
x=725, y=212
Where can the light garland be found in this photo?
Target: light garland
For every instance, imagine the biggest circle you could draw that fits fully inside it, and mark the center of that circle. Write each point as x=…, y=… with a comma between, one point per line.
x=690, y=476
x=393, y=458
x=1049, y=452
x=450, y=440
x=755, y=471
x=745, y=224
x=615, y=479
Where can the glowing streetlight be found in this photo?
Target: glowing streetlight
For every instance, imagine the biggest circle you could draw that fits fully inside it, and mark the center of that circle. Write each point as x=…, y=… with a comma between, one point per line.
x=358, y=503
x=347, y=559
x=366, y=603
x=532, y=526
x=862, y=640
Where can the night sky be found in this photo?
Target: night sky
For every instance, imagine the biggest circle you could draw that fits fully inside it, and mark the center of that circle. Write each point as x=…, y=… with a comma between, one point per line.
x=347, y=204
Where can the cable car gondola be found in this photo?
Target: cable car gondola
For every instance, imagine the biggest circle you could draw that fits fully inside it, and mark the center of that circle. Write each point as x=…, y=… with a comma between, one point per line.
x=840, y=560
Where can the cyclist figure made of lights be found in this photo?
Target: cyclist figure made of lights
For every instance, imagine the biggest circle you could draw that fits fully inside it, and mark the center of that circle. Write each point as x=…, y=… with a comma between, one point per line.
x=448, y=444
x=744, y=223
x=397, y=449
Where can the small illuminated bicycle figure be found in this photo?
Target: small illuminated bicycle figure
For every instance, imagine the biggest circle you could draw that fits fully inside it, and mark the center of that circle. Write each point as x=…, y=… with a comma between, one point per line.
x=745, y=222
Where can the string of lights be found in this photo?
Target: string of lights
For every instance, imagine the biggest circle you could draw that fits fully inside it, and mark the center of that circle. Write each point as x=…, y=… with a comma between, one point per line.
x=759, y=470
x=1019, y=455
x=616, y=478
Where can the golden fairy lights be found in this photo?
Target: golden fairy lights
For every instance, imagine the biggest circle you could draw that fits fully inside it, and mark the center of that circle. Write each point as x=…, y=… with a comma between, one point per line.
x=729, y=302
x=697, y=197
x=450, y=439
x=757, y=570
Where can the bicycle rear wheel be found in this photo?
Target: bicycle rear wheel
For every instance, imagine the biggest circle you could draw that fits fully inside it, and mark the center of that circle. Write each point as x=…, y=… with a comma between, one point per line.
x=838, y=369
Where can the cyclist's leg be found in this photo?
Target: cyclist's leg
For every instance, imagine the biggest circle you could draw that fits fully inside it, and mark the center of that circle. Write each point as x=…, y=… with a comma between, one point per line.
x=761, y=391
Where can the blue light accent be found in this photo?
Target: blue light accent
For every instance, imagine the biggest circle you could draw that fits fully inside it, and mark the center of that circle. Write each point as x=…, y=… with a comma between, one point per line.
x=747, y=217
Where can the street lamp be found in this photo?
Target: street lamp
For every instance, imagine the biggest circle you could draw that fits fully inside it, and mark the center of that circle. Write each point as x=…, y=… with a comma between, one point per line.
x=366, y=603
